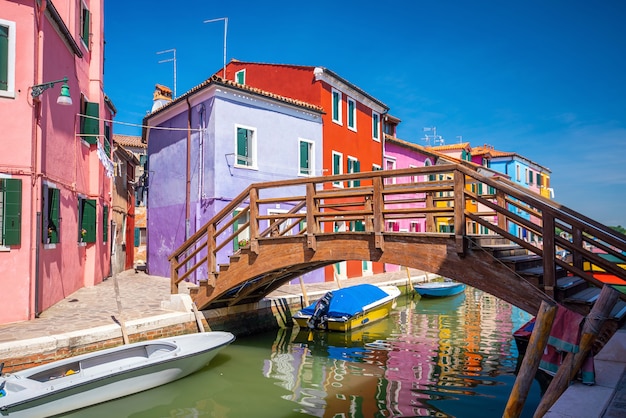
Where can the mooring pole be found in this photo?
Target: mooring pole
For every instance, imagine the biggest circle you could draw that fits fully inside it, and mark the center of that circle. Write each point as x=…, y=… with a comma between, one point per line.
x=532, y=357
x=573, y=361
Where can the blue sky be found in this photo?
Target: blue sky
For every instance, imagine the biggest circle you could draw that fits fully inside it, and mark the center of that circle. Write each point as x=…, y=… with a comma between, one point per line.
x=545, y=79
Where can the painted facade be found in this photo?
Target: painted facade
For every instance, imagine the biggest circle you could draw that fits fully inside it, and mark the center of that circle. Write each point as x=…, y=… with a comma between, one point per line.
x=123, y=209
x=352, y=126
x=235, y=136
x=54, y=187
x=525, y=173
x=139, y=149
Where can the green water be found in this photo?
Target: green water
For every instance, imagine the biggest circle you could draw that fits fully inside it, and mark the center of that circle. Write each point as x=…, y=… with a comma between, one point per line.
x=452, y=357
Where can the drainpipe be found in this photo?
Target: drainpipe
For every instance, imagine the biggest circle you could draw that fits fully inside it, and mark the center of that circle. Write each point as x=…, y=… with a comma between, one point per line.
x=188, y=185
x=35, y=169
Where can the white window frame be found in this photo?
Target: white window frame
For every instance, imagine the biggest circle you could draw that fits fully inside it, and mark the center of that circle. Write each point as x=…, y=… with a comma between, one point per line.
x=517, y=173
x=390, y=180
x=82, y=36
x=416, y=178
x=375, y=126
x=10, y=91
x=338, y=120
x=283, y=226
x=253, y=148
x=237, y=76
x=332, y=168
x=352, y=161
x=376, y=167
x=354, y=113
x=311, y=166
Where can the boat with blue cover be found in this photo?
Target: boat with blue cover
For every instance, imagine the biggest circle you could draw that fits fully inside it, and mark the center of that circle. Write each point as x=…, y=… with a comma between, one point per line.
x=349, y=308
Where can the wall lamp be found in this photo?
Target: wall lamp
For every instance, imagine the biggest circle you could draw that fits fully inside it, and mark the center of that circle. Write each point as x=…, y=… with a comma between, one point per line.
x=64, y=98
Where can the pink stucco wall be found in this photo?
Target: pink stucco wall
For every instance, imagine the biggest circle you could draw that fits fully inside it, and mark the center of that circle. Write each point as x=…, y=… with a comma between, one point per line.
x=42, y=149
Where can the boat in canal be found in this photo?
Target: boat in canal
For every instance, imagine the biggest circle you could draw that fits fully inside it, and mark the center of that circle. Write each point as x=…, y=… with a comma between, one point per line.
x=88, y=379
x=439, y=289
x=348, y=308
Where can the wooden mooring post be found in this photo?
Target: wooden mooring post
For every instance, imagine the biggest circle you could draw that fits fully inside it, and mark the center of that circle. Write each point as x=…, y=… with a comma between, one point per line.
x=573, y=361
x=530, y=364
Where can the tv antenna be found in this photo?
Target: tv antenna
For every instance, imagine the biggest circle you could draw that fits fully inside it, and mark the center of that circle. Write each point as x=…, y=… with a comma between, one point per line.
x=437, y=139
x=170, y=60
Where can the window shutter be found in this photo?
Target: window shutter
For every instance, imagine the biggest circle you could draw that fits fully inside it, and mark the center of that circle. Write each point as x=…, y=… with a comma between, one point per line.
x=351, y=114
x=4, y=58
x=235, y=228
x=241, y=77
x=45, y=210
x=357, y=169
x=304, y=158
x=89, y=220
x=375, y=126
x=12, y=189
x=137, y=237
x=105, y=223
x=91, y=127
x=242, y=146
x=107, y=140
x=86, y=25
x=336, y=104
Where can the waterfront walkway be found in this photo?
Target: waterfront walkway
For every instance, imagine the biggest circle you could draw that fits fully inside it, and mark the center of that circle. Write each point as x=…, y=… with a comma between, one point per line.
x=146, y=299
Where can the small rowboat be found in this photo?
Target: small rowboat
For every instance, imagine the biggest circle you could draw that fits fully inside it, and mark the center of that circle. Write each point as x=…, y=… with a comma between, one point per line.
x=349, y=308
x=88, y=379
x=439, y=289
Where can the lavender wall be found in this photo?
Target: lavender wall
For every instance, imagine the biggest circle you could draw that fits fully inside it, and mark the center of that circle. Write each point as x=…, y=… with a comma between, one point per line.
x=214, y=179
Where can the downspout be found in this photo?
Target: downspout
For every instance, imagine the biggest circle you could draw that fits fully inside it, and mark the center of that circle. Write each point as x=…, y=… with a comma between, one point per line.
x=188, y=185
x=35, y=220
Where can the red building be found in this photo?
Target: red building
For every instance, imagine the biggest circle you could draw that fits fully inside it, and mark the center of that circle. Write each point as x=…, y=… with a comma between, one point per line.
x=352, y=126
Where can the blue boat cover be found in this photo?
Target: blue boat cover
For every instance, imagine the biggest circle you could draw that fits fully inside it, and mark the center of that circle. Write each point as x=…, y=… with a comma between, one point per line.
x=350, y=300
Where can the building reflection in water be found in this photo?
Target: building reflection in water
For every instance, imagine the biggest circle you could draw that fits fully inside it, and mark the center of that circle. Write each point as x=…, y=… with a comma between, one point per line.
x=430, y=354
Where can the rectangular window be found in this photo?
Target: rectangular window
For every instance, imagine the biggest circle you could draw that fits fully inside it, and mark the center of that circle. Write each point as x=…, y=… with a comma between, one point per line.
x=375, y=126
x=354, y=166
x=306, y=158
x=530, y=177
x=7, y=58
x=10, y=211
x=336, y=107
x=89, y=121
x=245, y=147
x=517, y=175
x=337, y=167
x=376, y=167
x=86, y=220
x=51, y=214
x=105, y=223
x=539, y=179
x=107, y=139
x=240, y=77
x=243, y=237
x=85, y=24
x=390, y=164
x=526, y=172
x=351, y=114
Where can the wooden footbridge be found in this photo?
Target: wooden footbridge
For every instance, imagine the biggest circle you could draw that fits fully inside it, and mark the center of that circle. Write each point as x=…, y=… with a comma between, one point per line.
x=347, y=217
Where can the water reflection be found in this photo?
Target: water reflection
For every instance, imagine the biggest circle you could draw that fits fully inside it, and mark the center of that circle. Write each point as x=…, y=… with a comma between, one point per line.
x=451, y=357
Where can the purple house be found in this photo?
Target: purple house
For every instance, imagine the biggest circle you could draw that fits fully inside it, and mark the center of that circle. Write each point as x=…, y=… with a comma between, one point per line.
x=206, y=146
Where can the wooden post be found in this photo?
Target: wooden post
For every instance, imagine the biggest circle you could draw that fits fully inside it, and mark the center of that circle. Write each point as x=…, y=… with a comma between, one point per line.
x=459, y=212
x=530, y=364
x=408, y=276
x=549, y=272
x=304, y=295
x=119, y=309
x=573, y=361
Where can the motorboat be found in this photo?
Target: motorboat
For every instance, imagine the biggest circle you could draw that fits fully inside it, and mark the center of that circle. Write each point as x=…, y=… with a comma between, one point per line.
x=439, y=289
x=348, y=308
x=88, y=379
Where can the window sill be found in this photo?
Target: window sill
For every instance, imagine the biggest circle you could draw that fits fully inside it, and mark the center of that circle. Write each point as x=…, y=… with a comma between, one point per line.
x=247, y=167
x=4, y=249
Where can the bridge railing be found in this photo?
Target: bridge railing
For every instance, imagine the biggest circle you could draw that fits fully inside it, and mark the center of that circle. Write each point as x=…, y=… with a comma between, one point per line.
x=448, y=199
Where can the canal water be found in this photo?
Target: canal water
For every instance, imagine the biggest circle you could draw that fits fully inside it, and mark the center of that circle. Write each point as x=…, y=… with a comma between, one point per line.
x=450, y=357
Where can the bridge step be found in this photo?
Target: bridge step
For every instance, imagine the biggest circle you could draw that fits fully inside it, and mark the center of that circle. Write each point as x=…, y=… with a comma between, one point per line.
x=569, y=286
x=585, y=297
x=522, y=262
x=223, y=267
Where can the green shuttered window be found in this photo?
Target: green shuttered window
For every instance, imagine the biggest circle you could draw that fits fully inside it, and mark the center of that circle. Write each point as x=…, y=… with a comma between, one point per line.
x=305, y=158
x=90, y=124
x=51, y=215
x=10, y=211
x=4, y=58
x=87, y=218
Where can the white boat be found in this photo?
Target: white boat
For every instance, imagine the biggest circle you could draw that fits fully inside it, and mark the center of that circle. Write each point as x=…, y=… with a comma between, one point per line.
x=88, y=379
x=349, y=308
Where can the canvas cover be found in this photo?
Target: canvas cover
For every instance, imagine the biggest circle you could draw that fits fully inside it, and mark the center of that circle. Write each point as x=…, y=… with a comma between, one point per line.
x=350, y=300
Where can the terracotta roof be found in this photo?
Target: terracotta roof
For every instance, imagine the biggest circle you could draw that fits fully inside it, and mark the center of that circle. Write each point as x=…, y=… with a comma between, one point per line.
x=129, y=141
x=505, y=154
x=450, y=147
x=227, y=83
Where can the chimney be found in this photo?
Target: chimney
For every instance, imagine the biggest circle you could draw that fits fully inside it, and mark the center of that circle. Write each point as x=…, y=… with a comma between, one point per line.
x=162, y=96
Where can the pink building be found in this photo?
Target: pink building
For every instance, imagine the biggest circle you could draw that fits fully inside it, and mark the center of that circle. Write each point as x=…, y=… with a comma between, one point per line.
x=55, y=167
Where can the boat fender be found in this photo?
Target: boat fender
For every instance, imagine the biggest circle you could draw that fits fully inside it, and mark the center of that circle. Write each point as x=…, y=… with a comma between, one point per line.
x=2, y=391
x=320, y=314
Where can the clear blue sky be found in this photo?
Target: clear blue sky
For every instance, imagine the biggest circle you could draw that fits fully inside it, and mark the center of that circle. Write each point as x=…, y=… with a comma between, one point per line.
x=545, y=79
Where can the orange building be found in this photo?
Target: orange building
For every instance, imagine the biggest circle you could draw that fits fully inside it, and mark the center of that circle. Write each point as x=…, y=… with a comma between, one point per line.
x=352, y=132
